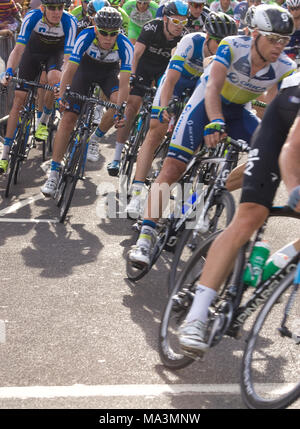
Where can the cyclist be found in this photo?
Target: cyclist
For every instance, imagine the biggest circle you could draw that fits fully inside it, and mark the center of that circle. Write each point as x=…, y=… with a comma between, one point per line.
x=151, y=56
x=198, y=12
x=183, y=71
x=139, y=12
x=96, y=57
x=293, y=7
x=117, y=5
x=46, y=35
x=244, y=68
x=240, y=11
x=80, y=13
x=226, y=6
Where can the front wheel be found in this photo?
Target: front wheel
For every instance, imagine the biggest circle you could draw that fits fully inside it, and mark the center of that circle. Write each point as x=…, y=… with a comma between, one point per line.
x=178, y=306
x=270, y=377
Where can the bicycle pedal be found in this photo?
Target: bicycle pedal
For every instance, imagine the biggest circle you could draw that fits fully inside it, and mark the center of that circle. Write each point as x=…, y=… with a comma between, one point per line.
x=198, y=356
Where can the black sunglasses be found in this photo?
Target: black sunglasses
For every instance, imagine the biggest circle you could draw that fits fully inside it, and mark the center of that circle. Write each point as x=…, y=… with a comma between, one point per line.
x=108, y=33
x=58, y=7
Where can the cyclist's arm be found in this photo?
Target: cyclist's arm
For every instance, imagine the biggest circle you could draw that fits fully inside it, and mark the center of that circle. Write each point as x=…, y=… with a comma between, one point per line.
x=213, y=90
x=139, y=49
x=168, y=87
x=289, y=159
x=123, y=87
x=15, y=57
x=67, y=76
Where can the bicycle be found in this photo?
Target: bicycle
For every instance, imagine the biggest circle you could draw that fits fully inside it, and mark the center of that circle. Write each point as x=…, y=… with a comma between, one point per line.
x=227, y=315
x=74, y=162
x=137, y=135
x=201, y=170
x=22, y=142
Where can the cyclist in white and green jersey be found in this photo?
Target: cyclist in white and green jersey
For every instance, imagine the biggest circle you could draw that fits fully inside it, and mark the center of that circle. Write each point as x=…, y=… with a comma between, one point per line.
x=125, y=18
x=139, y=12
x=225, y=6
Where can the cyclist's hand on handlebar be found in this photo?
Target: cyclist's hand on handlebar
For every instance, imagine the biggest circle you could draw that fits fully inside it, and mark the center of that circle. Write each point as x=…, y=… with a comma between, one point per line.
x=294, y=199
x=56, y=90
x=119, y=120
x=213, y=132
x=163, y=116
x=6, y=76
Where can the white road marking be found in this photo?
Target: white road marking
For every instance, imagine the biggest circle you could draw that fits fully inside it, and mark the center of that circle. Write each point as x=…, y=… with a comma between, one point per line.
x=81, y=390
x=21, y=204
x=24, y=220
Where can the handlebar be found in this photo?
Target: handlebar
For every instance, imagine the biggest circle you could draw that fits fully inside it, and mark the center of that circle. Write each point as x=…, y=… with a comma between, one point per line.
x=259, y=103
x=240, y=145
x=149, y=89
x=120, y=109
x=31, y=83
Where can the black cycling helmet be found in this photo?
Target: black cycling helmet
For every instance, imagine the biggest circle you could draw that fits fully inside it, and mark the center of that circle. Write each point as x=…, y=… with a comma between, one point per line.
x=220, y=25
x=108, y=17
x=95, y=5
x=52, y=2
x=176, y=7
x=273, y=19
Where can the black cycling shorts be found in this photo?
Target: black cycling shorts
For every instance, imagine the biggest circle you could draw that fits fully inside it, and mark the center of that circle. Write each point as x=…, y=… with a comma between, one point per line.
x=149, y=73
x=262, y=174
x=30, y=64
x=89, y=72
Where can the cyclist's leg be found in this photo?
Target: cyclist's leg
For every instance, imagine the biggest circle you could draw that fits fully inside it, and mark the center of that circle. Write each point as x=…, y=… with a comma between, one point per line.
x=261, y=179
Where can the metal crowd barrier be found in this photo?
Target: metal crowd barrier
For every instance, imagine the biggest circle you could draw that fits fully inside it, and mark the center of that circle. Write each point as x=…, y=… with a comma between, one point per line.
x=6, y=46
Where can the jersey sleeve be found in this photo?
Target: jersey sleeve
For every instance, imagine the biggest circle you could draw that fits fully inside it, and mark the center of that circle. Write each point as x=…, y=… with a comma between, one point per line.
x=29, y=22
x=224, y=53
x=83, y=41
x=69, y=23
x=184, y=51
x=125, y=48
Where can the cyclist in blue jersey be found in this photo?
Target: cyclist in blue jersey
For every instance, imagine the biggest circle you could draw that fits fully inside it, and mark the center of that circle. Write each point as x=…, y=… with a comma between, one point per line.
x=184, y=70
x=240, y=11
x=293, y=7
x=46, y=36
x=101, y=55
x=244, y=68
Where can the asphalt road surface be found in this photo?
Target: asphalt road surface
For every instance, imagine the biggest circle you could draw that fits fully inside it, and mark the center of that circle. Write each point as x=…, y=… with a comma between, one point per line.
x=74, y=331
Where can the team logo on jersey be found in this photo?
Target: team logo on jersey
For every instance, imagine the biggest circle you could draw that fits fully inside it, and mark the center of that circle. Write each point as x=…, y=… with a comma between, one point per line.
x=150, y=27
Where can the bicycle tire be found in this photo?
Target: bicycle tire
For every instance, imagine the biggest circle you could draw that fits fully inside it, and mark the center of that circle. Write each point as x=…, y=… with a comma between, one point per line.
x=158, y=159
x=168, y=345
x=16, y=148
x=260, y=354
x=71, y=177
x=187, y=243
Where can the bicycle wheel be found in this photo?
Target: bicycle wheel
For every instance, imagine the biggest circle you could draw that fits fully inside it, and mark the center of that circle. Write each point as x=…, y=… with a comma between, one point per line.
x=220, y=215
x=270, y=376
x=135, y=271
x=178, y=306
x=159, y=157
x=70, y=178
x=129, y=154
x=16, y=151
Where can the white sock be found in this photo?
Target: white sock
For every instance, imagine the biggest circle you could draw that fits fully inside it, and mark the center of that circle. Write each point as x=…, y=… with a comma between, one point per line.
x=118, y=151
x=202, y=300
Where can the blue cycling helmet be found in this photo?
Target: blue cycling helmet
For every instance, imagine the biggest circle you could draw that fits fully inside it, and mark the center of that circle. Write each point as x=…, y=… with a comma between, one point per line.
x=177, y=7
x=95, y=5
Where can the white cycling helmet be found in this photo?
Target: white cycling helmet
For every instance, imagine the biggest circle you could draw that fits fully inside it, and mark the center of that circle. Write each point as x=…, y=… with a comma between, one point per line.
x=292, y=3
x=198, y=1
x=273, y=19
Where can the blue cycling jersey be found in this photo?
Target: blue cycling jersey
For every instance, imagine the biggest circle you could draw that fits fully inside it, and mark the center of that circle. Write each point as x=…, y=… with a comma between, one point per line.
x=35, y=27
x=87, y=43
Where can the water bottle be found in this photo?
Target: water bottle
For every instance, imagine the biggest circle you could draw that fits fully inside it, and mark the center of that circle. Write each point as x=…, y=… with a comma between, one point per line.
x=279, y=260
x=274, y=264
x=257, y=260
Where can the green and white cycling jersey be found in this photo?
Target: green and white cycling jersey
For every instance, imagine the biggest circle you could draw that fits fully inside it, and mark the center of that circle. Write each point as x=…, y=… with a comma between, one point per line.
x=216, y=7
x=140, y=18
x=240, y=87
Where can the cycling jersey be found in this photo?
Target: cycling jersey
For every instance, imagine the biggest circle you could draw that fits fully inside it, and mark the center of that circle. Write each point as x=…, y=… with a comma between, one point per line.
x=262, y=174
x=87, y=43
x=188, y=60
x=239, y=13
x=216, y=7
x=136, y=18
x=196, y=24
x=239, y=88
x=295, y=41
x=42, y=38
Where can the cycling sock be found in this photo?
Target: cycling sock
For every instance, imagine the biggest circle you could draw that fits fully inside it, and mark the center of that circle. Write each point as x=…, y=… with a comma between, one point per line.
x=202, y=300
x=45, y=115
x=54, y=170
x=137, y=187
x=147, y=232
x=118, y=151
x=6, y=148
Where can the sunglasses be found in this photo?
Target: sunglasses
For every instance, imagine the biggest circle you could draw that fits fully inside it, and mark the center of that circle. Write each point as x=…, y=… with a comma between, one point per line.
x=215, y=38
x=293, y=7
x=275, y=39
x=176, y=21
x=196, y=5
x=108, y=33
x=143, y=2
x=58, y=7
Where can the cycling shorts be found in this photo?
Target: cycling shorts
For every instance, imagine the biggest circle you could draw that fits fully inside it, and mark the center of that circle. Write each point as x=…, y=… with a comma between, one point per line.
x=187, y=136
x=91, y=71
x=149, y=73
x=30, y=64
x=262, y=174
x=182, y=84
